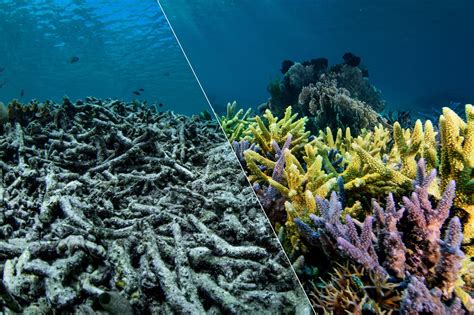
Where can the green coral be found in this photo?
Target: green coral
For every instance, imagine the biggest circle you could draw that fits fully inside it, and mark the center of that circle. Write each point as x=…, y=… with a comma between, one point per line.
x=235, y=122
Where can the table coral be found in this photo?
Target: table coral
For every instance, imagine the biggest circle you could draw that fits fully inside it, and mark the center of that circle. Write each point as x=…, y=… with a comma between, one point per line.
x=108, y=205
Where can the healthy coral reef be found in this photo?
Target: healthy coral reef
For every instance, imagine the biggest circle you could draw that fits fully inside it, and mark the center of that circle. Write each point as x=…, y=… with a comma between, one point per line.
x=337, y=96
x=421, y=266
x=113, y=207
x=414, y=251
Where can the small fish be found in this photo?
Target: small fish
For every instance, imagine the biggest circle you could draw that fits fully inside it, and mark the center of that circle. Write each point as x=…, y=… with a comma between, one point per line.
x=166, y=74
x=160, y=105
x=74, y=59
x=141, y=89
x=22, y=93
x=136, y=93
x=2, y=69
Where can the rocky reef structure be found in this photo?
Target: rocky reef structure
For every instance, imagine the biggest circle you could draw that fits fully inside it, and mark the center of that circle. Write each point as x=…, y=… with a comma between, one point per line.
x=333, y=107
x=337, y=96
x=115, y=208
x=416, y=257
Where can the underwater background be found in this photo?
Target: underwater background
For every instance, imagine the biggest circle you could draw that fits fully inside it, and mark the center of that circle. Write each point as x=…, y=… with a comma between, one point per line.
x=101, y=48
x=419, y=54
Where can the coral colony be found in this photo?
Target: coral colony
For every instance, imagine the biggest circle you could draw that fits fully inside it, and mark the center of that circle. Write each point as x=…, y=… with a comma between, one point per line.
x=376, y=215
x=116, y=208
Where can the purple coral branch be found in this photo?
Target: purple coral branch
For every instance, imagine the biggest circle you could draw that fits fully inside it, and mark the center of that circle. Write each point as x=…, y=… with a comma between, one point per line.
x=269, y=196
x=451, y=255
x=389, y=237
x=418, y=299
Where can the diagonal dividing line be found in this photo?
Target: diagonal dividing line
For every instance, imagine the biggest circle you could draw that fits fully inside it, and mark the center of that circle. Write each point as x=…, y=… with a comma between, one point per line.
x=235, y=154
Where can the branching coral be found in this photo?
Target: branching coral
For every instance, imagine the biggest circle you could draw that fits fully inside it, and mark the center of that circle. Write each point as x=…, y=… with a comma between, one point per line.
x=411, y=145
x=381, y=160
x=457, y=163
x=351, y=289
x=105, y=202
x=376, y=142
x=288, y=179
x=265, y=132
x=418, y=299
x=235, y=122
x=405, y=240
x=373, y=165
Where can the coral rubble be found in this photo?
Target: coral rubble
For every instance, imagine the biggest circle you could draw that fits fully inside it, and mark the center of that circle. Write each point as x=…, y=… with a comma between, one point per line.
x=115, y=207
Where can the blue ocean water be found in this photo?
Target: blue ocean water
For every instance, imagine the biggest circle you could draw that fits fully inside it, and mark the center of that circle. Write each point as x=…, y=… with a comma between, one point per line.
x=418, y=53
x=122, y=46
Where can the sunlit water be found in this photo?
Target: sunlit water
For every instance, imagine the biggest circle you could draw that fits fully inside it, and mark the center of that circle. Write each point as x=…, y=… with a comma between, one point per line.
x=122, y=46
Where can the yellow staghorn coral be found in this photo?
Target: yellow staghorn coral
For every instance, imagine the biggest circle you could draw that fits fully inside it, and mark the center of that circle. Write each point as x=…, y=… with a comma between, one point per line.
x=298, y=185
x=375, y=142
x=367, y=175
x=235, y=123
x=412, y=144
x=273, y=129
x=374, y=167
x=430, y=146
x=457, y=163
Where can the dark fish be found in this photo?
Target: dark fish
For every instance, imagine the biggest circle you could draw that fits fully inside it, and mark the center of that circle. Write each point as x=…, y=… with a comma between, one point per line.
x=136, y=93
x=141, y=89
x=22, y=92
x=74, y=59
x=1, y=69
x=166, y=74
x=160, y=105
